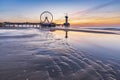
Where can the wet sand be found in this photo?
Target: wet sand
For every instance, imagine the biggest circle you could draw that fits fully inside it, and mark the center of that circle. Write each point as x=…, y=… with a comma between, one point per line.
x=33, y=54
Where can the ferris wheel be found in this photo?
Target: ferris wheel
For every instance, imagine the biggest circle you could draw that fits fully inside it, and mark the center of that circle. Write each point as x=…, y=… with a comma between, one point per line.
x=46, y=17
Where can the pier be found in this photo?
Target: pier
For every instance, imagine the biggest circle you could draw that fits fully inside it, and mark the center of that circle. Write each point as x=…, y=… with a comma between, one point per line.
x=26, y=24
x=46, y=20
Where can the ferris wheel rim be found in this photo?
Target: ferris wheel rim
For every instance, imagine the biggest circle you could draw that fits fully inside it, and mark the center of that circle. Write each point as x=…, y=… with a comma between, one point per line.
x=41, y=21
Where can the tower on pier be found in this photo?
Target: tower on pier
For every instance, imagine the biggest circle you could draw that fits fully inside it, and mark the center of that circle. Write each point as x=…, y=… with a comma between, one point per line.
x=66, y=24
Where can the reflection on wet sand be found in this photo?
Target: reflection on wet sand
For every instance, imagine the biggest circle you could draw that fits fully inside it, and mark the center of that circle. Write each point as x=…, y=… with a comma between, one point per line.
x=66, y=33
x=46, y=56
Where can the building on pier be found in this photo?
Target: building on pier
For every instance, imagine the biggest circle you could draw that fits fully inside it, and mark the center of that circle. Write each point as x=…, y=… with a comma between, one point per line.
x=66, y=24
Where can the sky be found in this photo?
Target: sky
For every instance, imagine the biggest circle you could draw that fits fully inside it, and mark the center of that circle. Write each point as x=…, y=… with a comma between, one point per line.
x=80, y=12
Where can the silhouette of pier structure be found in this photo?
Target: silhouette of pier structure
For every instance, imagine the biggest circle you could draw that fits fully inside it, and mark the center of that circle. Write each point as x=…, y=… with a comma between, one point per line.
x=66, y=24
x=17, y=24
x=46, y=20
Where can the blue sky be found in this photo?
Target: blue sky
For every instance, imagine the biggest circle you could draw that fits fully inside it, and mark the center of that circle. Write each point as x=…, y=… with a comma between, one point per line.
x=29, y=10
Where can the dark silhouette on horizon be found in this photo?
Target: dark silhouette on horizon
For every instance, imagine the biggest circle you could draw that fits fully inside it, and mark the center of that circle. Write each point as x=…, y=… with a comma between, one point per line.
x=46, y=20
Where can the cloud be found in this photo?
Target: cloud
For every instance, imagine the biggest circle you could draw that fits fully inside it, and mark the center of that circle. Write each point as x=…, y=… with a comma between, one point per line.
x=95, y=8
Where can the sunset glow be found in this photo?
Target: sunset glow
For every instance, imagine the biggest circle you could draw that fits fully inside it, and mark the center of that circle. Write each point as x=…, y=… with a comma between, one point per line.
x=80, y=12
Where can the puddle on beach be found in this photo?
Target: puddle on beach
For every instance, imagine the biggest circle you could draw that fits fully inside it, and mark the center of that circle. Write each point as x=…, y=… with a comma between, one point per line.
x=32, y=54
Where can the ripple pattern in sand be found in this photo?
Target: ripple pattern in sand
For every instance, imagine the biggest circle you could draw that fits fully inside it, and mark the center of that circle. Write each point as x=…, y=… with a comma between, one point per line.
x=66, y=63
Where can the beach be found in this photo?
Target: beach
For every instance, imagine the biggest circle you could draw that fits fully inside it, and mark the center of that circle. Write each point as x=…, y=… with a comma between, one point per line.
x=60, y=54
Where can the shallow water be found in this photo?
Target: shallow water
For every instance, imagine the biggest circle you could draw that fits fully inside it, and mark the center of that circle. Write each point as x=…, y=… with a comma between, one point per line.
x=32, y=54
x=93, y=41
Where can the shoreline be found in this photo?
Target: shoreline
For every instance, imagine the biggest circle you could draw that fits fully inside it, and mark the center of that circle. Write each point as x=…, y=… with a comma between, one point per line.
x=87, y=30
x=65, y=29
